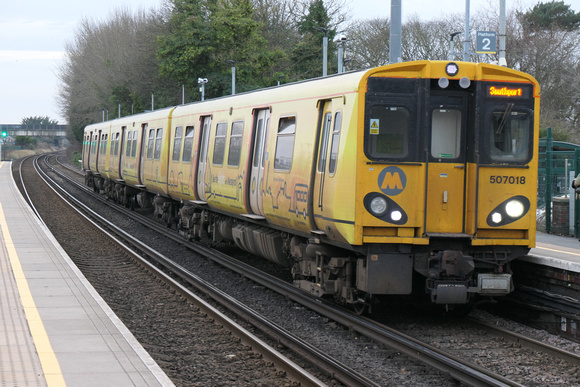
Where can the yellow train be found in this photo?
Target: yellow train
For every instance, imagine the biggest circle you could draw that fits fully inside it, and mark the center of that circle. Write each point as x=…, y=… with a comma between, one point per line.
x=417, y=178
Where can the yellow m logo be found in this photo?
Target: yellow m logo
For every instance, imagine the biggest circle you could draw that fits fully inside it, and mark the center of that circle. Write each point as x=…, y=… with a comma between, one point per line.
x=392, y=181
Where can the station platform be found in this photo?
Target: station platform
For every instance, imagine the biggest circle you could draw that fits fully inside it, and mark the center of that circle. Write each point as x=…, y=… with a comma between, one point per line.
x=558, y=251
x=55, y=330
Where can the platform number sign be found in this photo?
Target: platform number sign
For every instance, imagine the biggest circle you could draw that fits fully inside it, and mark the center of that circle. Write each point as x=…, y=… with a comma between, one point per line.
x=486, y=42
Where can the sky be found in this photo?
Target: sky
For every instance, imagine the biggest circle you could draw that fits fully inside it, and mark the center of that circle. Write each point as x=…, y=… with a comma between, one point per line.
x=34, y=34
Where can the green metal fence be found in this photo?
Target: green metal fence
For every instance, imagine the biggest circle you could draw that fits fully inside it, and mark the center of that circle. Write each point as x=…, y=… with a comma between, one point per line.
x=558, y=162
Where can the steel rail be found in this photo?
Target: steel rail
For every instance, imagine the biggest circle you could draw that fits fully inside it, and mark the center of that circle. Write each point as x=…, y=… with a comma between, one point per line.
x=552, y=351
x=331, y=366
x=457, y=368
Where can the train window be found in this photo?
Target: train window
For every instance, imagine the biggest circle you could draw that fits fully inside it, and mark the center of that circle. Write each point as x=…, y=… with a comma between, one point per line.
x=259, y=145
x=129, y=141
x=188, y=144
x=219, y=147
x=104, y=140
x=151, y=143
x=134, y=146
x=334, y=145
x=446, y=133
x=266, y=129
x=158, y=141
x=117, y=141
x=285, y=143
x=112, y=150
x=509, y=134
x=177, y=143
x=235, y=151
x=324, y=144
x=389, y=131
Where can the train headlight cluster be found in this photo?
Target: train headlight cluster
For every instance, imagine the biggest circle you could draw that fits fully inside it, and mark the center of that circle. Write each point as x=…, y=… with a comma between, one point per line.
x=509, y=211
x=384, y=208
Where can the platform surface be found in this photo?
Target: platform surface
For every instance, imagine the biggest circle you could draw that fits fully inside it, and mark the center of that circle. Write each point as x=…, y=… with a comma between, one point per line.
x=55, y=330
x=558, y=251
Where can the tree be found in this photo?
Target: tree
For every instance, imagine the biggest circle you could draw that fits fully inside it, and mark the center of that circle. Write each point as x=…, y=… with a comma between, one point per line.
x=307, y=54
x=38, y=120
x=548, y=16
x=546, y=44
x=204, y=35
x=113, y=62
x=25, y=142
x=368, y=43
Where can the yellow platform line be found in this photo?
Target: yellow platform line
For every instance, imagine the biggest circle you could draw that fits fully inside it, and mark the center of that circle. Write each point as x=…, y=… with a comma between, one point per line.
x=48, y=360
x=557, y=251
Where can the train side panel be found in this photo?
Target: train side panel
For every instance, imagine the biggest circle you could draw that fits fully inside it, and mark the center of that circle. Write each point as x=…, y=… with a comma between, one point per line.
x=155, y=152
x=226, y=172
x=184, y=143
x=136, y=168
x=114, y=151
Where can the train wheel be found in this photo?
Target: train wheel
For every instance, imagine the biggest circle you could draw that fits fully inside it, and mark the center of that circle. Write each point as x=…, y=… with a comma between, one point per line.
x=360, y=309
x=363, y=307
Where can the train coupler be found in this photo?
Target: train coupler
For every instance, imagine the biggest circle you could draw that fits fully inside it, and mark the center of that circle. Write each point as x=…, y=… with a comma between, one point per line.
x=458, y=292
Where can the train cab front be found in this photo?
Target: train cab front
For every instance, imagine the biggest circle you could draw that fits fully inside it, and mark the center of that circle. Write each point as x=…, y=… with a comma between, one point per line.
x=447, y=176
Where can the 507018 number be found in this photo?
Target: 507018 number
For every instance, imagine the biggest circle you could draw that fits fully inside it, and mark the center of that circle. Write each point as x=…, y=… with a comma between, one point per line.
x=507, y=179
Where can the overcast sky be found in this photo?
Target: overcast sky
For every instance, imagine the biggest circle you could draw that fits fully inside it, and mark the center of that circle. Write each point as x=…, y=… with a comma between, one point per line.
x=33, y=34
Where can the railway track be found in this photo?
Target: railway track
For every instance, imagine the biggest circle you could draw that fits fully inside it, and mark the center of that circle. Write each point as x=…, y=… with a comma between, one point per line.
x=453, y=365
x=152, y=261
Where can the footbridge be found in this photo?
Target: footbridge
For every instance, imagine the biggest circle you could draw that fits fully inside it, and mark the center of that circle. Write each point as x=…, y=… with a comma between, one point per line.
x=34, y=130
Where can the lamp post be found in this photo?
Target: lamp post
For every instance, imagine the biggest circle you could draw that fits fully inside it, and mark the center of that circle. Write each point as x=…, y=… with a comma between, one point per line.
x=340, y=39
x=324, y=50
x=202, y=82
x=280, y=76
x=233, y=63
x=452, y=48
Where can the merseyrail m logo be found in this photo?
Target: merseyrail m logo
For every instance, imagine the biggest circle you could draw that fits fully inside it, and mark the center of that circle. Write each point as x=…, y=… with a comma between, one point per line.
x=392, y=181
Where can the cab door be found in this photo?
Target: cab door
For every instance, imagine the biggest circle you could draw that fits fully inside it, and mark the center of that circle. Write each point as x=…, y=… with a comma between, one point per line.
x=322, y=206
x=446, y=164
x=260, y=135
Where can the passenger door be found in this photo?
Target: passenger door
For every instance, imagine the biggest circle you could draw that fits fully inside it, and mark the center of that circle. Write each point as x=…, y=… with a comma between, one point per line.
x=202, y=162
x=446, y=164
x=260, y=135
x=142, y=153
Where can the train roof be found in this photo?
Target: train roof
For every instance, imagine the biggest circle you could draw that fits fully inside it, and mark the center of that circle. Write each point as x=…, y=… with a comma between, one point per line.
x=336, y=84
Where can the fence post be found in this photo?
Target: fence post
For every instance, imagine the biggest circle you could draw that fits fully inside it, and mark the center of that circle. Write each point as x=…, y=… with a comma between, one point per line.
x=549, y=145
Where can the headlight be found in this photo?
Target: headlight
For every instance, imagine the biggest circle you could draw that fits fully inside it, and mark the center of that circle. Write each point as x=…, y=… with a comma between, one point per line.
x=514, y=208
x=396, y=215
x=378, y=206
x=496, y=217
